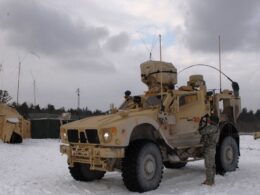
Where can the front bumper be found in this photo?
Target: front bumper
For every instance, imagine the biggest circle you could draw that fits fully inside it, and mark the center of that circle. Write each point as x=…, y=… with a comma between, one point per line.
x=99, y=158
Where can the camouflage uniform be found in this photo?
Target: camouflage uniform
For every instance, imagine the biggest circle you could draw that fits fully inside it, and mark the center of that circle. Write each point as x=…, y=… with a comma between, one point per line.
x=209, y=139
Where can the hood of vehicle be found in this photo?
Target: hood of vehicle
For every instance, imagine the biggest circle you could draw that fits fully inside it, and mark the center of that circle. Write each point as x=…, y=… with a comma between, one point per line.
x=97, y=122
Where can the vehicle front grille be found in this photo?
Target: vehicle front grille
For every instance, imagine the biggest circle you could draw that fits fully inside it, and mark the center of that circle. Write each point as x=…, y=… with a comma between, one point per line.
x=82, y=137
x=92, y=136
x=89, y=136
x=73, y=135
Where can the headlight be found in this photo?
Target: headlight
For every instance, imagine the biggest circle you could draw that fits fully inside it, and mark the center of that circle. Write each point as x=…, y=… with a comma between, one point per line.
x=107, y=134
x=63, y=133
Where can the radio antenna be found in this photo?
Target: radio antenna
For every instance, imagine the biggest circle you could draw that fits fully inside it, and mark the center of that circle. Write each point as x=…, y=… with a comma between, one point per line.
x=20, y=60
x=219, y=58
x=209, y=66
x=160, y=42
x=78, y=94
x=235, y=85
x=34, y=89
x=1, y=76
x=150, y=50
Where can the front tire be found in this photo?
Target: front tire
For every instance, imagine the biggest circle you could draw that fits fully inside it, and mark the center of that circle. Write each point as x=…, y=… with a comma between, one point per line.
x=142, y=167
x=227, y=155
x=82, y=172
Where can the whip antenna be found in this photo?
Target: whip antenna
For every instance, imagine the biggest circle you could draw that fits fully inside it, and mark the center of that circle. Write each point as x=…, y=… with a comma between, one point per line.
x=153, y=44
x=209, y=66
x=219, y=58
x=160, y=42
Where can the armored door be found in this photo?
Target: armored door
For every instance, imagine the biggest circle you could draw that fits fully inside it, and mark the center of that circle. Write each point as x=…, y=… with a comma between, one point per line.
x=185, y=131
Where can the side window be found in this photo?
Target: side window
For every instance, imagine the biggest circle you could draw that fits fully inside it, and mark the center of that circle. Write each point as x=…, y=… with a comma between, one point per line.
x=154, y=100
x=187, y=99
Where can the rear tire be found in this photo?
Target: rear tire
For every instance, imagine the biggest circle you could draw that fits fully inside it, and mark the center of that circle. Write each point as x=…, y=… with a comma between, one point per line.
x=227, y=155
x=142, y=167
x=82, y=172
x=16, y=138
x=177, y=165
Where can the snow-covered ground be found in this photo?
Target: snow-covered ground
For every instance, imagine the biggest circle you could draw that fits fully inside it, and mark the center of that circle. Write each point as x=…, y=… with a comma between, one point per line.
x=36, y=167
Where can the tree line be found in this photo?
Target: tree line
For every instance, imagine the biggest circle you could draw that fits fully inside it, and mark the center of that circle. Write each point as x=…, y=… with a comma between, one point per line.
x=249, y=121
x=249, y=116
x=26, y=109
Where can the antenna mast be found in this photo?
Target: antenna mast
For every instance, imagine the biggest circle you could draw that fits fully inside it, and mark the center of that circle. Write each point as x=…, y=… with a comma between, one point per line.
x=219, y=51
x=34, y=89
x=160, y=42
x=19, y=72
x=78, y=94
x=18, y=84
x=34, y=92
x=1, y=70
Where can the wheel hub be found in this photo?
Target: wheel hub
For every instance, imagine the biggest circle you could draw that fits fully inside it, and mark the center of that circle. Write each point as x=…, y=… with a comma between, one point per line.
x=229, y=154
x=149, y=166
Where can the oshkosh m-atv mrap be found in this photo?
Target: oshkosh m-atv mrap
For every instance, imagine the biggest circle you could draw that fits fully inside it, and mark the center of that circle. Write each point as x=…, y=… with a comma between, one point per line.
x=147, y=132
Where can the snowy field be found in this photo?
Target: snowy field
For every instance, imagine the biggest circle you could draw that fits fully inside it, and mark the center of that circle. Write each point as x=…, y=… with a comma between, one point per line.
x=36, y=167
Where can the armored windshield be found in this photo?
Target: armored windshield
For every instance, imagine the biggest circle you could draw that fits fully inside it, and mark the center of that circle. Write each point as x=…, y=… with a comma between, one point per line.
x=145, y=102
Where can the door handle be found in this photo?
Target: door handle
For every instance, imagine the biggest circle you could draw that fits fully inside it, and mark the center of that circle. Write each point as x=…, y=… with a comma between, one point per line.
x=186, y=118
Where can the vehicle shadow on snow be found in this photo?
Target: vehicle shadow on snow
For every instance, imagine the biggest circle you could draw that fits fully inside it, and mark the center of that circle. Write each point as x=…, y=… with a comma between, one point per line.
x=113, y=182
x=185, y=175
x=184, y=172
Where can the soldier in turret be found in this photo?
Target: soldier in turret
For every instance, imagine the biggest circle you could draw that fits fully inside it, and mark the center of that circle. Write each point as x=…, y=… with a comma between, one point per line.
x=210, y=134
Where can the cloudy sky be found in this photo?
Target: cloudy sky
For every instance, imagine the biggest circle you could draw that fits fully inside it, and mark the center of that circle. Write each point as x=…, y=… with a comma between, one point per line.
x=97, y=46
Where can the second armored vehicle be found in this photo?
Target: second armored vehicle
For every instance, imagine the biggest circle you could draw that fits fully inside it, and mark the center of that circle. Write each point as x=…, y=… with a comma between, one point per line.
x=13, y=127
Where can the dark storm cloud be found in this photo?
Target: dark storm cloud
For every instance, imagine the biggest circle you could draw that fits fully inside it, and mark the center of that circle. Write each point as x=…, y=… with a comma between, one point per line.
x=31, y=26
x=237, y=21
x=117, y=42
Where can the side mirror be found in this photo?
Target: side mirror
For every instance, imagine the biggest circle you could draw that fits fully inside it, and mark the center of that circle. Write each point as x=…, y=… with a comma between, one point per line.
x=235, y=87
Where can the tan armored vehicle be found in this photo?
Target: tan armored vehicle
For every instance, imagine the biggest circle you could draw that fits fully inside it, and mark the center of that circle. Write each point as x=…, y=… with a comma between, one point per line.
x=13, y=127
x=156, y=129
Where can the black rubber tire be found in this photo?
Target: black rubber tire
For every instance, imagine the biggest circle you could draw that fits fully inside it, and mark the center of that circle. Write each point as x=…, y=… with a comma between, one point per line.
x=142, y=167
x=81, y=172
x=177, y=165
x=227, y=155
x=16, y=138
